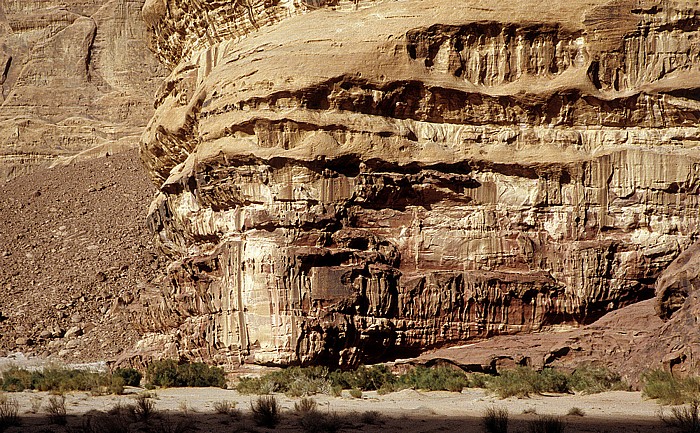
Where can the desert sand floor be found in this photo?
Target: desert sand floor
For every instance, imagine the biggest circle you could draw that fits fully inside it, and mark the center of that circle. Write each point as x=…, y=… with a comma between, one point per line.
x=192, y=409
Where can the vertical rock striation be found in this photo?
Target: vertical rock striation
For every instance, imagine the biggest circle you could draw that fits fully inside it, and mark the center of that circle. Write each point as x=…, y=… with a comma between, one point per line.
x=342, y=183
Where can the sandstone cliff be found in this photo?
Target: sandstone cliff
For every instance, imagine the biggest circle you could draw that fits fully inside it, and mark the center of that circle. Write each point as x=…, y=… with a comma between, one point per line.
x=347, y=182
x=75, y=75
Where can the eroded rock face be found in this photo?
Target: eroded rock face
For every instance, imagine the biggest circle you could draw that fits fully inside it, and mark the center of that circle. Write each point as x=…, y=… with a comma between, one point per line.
x=363, y=181
x=76, y=75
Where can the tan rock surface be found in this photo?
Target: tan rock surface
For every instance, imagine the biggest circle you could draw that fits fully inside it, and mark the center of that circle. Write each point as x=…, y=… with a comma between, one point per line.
x=366, y=181
x=623, y=341
x=76, y=75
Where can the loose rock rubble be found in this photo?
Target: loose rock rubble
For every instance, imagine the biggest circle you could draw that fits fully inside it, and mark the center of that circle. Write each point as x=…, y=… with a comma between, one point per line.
x=75, y=255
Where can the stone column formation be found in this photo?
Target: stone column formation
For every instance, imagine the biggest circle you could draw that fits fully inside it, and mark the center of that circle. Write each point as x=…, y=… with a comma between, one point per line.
x=347, y=182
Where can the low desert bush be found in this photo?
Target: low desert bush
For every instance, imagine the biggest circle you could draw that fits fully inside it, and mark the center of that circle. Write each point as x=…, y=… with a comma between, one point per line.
x=520, y=381
x=576, y=411
x=144, y=408
x=371, y=417
x=306, y=381
x=122, y=410
x=523, y=381
x=168, y=373
x=546, y=424
x=669, y=389
x=686, y=418
x=364, y=378
x=589, y=379
x=56, y=409
x=198, y=374
x=496, y=420
x=440, y=378
x=356, y=393
x=292, y=381
x=256, y=385
x=478, y=380
x=184, y=408
x=305, y=405
x=226, y=407
x=266, y=411
x=9, y=412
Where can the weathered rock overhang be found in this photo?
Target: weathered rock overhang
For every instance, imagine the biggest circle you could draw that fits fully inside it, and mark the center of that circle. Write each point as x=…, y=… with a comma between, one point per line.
x=347, y=197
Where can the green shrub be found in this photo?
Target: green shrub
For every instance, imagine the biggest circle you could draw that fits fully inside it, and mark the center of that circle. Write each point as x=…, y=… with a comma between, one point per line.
x=298, y=381
x=167, y=373
x=589, y=379
x=200, y=375
x=131, y=376
x=251, y=385
x=162, y=373
x=668, y=389
x=523, y=381
x=434, y=379
x=496, y=420
x=16, y=380
x=356, y=393
x=293, y=381
x=364, y=378
x=519, y=382
x=58, y=379
x=478, y=380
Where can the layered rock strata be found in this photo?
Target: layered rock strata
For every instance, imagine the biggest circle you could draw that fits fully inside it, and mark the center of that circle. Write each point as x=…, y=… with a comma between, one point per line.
x=352, y=182
x=75, y=75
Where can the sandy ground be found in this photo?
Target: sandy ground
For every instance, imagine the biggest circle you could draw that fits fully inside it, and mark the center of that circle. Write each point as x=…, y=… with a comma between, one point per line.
x=404, y=411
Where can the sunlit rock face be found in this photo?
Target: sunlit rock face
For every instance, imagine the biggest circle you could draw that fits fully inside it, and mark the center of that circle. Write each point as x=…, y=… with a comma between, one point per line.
x=75, y=75
x=343, y=183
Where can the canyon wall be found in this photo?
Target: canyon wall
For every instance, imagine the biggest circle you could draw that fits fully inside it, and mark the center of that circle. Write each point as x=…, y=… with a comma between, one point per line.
x=346, y=182
x=76, y=75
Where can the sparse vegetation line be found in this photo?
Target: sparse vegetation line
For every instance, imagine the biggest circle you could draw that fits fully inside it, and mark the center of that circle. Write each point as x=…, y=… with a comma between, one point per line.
x=520, y=382
x=164, y=373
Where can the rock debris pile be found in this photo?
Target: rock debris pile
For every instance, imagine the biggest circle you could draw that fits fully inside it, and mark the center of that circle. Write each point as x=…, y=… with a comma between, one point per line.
x=75, y=253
